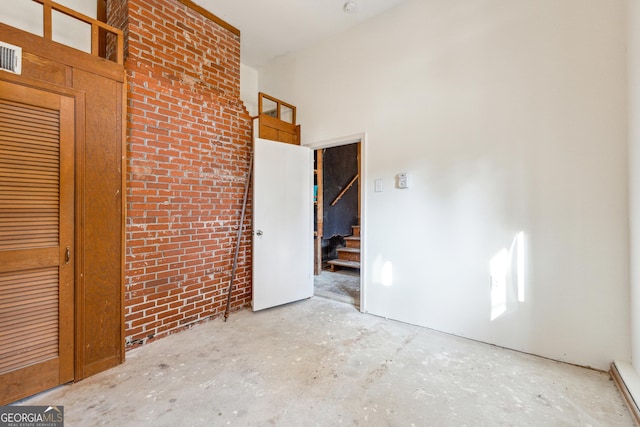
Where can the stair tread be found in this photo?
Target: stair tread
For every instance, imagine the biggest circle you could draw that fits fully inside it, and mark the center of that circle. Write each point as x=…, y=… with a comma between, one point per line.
x=344, y=263
x=352, y=238
x=354, y=250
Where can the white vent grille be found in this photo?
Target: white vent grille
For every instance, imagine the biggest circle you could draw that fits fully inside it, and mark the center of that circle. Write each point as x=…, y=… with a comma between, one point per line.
x=10, y=58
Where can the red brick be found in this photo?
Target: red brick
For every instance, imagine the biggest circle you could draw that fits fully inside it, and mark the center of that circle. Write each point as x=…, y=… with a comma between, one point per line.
x=189, y=142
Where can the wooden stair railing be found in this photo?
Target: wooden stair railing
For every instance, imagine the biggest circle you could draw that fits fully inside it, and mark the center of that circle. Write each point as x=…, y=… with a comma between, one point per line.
x=344, y=190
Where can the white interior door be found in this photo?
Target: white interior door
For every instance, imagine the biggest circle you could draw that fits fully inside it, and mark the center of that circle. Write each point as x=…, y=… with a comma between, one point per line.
x=282, y=223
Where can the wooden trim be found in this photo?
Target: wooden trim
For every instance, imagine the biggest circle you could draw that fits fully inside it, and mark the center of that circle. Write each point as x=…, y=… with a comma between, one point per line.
x=95, y=40
x=360, y=182
x=276, y=130
x=23, y=259
x=625, y=392
x=62, y=54
x=46, y=21
x=79, y=239
x=51, y=5
x=317, y=264
x=278, y=124
x=278, y=102
x=20, y=384
x=69, y=113
x=123, y=200
x=45, y=86
x=96, y=25
x=320, y=199
x=101, y=14
x=101, y=10
x=202, y=11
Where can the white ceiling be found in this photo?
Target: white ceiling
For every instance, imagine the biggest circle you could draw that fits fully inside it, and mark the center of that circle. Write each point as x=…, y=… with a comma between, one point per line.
x=273, y=28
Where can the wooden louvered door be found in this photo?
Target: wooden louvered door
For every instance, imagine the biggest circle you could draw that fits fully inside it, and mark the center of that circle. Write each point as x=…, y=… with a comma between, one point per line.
x=36, y=240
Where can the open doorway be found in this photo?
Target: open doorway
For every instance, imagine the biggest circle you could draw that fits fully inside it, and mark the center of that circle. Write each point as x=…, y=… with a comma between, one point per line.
x=337, y=219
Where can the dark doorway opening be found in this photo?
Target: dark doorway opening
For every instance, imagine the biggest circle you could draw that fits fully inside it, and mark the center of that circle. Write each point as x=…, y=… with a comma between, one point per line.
x=337, y=223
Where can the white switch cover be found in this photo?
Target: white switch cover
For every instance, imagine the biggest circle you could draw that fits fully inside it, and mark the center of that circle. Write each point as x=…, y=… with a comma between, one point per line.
x=403, y=180
x=378, y=186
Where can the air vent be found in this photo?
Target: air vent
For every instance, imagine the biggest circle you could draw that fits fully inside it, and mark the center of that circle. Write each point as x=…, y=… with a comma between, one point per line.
x=10, y=58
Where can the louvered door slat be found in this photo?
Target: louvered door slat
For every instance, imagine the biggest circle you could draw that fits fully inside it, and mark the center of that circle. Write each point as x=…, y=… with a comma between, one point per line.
x=15, y=173
x=27, y=182
x=43, y=142
x=38, y=279
x=42, y=111
x=30, y=127
x=32, y=295
x=40, y=157
x=28, y=222
x=18, y=169
x=43, y=116
x=26, y=230
x=33, y=333
x=30, y=195
x=31, y=355
x=30, y=342
x=40, y=317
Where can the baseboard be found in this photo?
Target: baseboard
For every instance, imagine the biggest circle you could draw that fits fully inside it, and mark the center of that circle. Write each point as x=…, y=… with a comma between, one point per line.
x=628, y=382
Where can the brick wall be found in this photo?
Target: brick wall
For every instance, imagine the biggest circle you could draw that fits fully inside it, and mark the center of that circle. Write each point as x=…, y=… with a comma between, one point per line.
x=189, y=139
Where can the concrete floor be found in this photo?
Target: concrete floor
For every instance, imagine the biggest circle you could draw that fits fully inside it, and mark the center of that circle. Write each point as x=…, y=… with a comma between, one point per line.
x=321, y=362
x=342, y=285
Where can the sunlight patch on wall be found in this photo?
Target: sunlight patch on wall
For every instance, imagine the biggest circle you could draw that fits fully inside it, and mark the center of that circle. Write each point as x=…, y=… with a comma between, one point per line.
x=520, y=265
x=382, y=272
x=507, y=268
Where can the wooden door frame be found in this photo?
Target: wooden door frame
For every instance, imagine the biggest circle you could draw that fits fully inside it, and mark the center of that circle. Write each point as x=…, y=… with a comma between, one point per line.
x=78, y=164
x=360, y=139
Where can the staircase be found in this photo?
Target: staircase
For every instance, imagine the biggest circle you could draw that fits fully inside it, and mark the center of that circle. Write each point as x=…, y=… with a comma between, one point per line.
x=348, y=256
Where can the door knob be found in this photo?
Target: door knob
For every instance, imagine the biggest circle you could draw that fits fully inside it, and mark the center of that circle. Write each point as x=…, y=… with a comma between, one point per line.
x=259, y=233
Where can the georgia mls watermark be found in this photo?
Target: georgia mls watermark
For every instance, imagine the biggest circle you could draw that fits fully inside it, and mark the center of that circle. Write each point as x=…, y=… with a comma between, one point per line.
x=31, y=416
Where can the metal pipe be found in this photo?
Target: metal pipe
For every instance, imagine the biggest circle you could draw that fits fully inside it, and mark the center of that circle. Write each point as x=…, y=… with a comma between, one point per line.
x=235, y=255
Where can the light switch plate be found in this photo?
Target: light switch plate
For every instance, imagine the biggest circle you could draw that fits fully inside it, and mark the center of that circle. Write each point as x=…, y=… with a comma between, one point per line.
x=378, y=186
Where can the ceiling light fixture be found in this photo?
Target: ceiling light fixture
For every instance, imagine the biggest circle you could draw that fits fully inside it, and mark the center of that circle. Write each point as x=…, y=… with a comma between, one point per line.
x=350, y=7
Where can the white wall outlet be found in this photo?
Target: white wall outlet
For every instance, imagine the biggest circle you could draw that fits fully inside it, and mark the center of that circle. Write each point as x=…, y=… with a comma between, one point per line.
x=403, y=180
x=377, y=187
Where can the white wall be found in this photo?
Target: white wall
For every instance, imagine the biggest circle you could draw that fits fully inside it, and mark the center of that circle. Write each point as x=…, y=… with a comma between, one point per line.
x=510, y=117
x=249, y=89
x=628, y=369
x=634, y=172
x=27, y=15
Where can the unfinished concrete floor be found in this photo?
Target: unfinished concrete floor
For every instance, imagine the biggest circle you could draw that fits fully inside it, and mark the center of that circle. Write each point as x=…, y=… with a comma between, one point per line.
x=321, y=362
x=342, y=285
